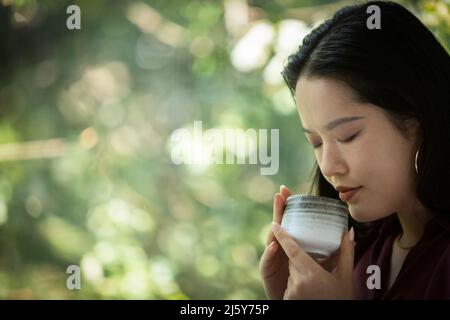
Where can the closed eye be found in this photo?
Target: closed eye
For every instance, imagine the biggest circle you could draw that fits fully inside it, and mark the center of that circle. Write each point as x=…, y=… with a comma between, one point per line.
x=349, y=139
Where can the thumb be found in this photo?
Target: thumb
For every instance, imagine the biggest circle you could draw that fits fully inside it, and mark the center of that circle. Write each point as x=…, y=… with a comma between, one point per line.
x=346, y=255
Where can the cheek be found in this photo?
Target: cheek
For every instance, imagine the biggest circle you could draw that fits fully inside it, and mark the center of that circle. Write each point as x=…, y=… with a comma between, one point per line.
x=391, y=168
x=385, y=173
x=381, y=161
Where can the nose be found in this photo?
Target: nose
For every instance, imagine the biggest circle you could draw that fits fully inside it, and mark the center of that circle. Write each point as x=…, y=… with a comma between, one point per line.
x=331, y=162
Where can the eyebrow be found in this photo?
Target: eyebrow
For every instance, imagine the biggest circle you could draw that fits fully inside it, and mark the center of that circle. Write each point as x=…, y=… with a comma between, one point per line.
x=333, y=124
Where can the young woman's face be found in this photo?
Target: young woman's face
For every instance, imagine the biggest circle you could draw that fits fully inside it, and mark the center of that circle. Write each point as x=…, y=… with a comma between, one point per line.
x=356, y=144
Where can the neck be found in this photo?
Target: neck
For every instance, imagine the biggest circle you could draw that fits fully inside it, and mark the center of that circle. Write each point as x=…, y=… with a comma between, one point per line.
x=413, y=220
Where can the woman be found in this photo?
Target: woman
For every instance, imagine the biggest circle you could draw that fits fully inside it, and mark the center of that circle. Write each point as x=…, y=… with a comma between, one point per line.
x=375, y=105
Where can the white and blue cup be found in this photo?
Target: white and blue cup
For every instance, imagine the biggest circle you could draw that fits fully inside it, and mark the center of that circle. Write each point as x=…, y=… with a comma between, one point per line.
x=317, y=223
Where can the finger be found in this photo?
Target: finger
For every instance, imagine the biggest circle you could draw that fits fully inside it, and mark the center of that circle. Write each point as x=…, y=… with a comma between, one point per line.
x=329, y=263
x=274, y=262
x=293, y=272
x=346, y=255
x=284, y=191
x=278, y=208
x=266, y=264
x=290, y=284
x=299, y=258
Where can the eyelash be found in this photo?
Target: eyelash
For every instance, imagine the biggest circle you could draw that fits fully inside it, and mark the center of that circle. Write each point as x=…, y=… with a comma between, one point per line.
x=350, y=139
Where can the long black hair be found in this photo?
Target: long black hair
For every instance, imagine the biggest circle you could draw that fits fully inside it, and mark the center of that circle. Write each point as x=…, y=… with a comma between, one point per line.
x=402, y=68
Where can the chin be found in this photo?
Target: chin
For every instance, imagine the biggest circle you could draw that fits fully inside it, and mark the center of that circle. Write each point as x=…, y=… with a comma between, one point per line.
x=361, y=216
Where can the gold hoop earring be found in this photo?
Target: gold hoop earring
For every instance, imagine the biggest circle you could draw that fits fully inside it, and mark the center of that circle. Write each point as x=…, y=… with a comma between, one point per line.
x=415, y=161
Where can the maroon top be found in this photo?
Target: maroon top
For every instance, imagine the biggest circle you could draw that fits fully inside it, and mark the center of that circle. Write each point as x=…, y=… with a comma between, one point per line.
x=425, y=273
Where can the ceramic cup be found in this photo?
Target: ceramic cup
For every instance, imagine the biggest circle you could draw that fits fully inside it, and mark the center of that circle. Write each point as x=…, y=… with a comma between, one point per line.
x=317, y=223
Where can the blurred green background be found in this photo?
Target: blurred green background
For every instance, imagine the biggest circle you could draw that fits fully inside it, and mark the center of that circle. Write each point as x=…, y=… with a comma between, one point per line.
x=86, y=118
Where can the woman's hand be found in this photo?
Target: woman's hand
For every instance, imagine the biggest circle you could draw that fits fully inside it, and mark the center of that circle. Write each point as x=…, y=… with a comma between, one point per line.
x=274, y=264
x=309, y=279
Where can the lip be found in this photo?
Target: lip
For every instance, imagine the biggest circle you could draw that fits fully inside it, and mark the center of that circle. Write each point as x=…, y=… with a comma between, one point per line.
x=347, y=195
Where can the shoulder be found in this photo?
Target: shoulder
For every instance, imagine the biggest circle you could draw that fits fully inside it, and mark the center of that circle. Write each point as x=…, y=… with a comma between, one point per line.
x=433, y=258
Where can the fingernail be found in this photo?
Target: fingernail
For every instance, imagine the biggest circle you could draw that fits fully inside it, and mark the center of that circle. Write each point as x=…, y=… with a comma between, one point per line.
x=275, y=227
x=351, y=235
